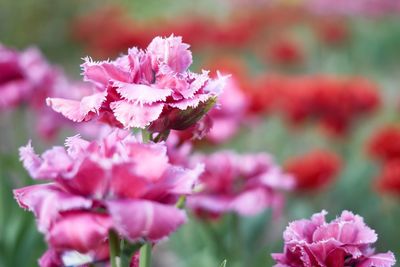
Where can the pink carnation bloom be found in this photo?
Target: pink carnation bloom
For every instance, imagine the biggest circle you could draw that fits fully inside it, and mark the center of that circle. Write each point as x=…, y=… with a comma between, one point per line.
x=25, y=77
x=227, y=117
x=345, y=241
x=245, y=184
x=150, y=88
x=115, y=183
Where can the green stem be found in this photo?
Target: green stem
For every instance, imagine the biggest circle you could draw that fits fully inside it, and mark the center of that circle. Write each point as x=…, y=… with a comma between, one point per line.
x=113, y=241
x=180, y=204
x=146, y=136
x=213, y=236
x=237, y=241
x=145, y=255
x=127, y=252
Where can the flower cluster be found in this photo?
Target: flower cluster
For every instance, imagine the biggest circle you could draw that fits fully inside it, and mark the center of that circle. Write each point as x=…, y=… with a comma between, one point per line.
x=345, y=241
x=314, y=169
x=335, y=102
x=104, y=185
x=150, y=89
x=244, y=184
x=120, y=30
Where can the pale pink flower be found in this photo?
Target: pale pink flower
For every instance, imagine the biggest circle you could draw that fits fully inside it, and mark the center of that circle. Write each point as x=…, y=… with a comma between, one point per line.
x=229, y=114
x=114, y=183
x=25, y=77
x=150, y=88
x=245, y=184
x=345, y=241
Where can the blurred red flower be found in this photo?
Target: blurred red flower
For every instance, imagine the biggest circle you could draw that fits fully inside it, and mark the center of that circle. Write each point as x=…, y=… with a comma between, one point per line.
x=118, y=31
x=314, y=169
x=333, y=102
x=264, y=93
x=285, y=51
x=385, y=143
x=332, y=31
x=389, y=179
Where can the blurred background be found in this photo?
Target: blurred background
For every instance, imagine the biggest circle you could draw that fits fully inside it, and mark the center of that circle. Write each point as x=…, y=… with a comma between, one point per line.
x=320, y=79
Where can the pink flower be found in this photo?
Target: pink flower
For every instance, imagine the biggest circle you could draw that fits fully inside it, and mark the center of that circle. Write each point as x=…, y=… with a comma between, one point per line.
x=245, y=184
x=227, y=117
x=25, y=77
x=114, y=183
x=345, y=241
x=150, y=88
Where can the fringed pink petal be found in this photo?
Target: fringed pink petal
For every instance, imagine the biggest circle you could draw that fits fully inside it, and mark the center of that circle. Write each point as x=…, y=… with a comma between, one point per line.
x=52, y=162
x=140, y=93
x=379, y=260
x=134, y=115
x=76, y=145
x=190, y=102
x=101, y=73
x=78, y=111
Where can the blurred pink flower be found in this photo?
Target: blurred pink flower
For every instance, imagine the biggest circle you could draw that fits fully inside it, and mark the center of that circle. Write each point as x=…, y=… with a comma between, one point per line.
x=345, y=241
x=115, y=183
x=227, y=117
x=150, y=88
x=25, y=77
x=245, y=184
x=354, y=7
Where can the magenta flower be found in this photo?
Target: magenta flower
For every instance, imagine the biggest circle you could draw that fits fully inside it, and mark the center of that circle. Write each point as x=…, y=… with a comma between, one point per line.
x=345, y=241
x=245, y=184
x=150, y=88
x=25, y=77
x=115, y=183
